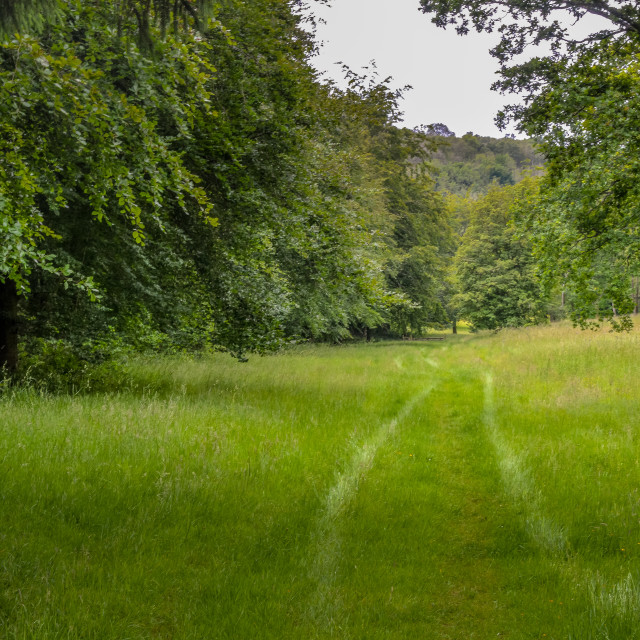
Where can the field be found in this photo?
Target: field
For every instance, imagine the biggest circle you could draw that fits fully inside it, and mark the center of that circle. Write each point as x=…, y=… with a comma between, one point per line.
x=484, y=486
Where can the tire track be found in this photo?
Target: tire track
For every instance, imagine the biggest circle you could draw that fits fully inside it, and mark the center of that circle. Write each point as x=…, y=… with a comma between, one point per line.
x=325, y=602
x=519, y=484
x=618, y=600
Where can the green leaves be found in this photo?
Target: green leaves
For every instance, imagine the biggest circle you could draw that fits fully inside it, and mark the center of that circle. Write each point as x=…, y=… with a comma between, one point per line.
x=580, y=103
x=494, y=268
x=72, y=134
x=203, y=187
x=522, y=23
x=584, y=225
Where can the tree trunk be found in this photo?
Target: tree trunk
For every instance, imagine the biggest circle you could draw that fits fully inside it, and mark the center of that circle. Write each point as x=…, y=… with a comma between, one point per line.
x=455, y=326
x=8, y=326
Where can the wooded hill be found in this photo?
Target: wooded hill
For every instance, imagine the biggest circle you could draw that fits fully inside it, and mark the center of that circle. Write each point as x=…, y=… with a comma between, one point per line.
x=470, y=164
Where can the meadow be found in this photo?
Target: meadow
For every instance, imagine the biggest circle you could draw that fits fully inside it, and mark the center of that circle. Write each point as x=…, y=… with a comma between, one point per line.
x=483, y=486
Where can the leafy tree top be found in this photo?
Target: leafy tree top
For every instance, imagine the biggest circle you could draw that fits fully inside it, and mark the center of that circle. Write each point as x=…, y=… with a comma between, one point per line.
x=524, y=22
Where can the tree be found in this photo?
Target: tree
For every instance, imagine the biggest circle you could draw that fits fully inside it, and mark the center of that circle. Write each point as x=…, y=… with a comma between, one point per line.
x=398, y=227
x=293, y=243
x=439, y=129
x=580, y=103
x=201, y=185
x=76, y=143
x=412, y=223
x=20, y=15
x=525, y=22
x=421, y=240
x=469, y=165
x=33, y=15
x=494, y=268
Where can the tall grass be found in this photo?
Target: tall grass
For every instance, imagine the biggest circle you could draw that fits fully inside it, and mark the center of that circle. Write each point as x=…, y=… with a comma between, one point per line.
x=484, y=486
x=186, y=508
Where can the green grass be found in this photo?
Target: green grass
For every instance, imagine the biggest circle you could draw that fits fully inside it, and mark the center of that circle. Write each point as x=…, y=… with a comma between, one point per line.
x=485, y=486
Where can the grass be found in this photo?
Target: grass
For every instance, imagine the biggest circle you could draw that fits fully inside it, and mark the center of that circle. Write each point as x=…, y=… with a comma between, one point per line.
x=484, y=486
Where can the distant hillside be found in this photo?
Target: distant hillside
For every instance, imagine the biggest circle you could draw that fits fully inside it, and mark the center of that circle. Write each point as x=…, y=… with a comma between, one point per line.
x=470, y=164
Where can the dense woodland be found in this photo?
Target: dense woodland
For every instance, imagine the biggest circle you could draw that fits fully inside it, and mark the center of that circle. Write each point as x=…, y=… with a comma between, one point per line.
x=470, y=164
x=174, y=175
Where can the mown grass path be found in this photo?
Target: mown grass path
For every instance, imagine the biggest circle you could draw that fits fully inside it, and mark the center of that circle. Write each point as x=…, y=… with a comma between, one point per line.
x=481, y=488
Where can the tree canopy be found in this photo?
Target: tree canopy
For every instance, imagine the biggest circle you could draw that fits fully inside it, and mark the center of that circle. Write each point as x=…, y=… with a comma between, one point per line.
x=471, y=163
x=525, y=22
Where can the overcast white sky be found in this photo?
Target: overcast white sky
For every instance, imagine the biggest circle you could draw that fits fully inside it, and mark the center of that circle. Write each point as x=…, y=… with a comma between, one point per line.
x=451, y=75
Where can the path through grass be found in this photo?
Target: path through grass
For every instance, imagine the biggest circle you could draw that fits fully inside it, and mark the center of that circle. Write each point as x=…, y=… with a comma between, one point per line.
x=483, y=487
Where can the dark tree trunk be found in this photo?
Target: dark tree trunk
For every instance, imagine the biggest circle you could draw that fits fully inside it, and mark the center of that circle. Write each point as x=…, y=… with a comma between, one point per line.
x=455, y=326
x=8, y=325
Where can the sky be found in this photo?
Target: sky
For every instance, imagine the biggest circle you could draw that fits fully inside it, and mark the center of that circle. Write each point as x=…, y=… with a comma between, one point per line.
x=451, y=75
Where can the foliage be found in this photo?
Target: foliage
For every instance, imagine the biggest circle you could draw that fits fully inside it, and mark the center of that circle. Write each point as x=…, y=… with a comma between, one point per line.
x=93, y=172
x=25, y=15
x=57, y=366
x=469, y=165
x=422, y=243
x=179, y=15
x=584, y=226
x=410, y=233
x=204, y=188
x=521, y=23
x=76, y=144
x=439, y=129
x=292, y=231
x=495, y=269
x=580, y=103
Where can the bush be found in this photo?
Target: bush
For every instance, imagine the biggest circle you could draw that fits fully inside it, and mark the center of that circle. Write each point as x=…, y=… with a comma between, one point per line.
x=58, y=366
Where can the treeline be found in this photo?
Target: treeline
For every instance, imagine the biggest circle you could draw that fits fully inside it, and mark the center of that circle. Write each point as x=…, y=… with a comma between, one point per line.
x=495, y=278
x=579, y=102
x=175, y=176
x=493, y=281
